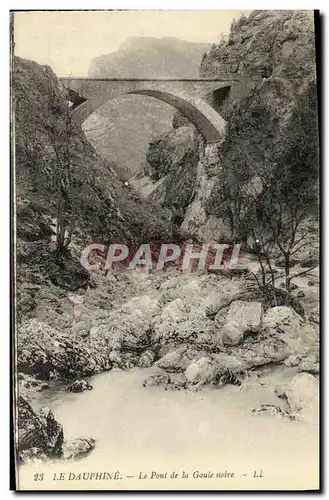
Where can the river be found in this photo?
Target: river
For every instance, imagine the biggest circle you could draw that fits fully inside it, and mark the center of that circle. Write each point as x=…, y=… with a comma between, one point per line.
x=143, y=430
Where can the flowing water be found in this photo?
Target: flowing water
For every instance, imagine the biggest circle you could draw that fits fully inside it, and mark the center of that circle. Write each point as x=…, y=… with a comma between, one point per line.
x=149, y=430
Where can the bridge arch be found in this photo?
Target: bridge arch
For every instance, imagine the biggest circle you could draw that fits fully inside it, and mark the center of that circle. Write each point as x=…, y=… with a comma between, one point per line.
x=186, y=100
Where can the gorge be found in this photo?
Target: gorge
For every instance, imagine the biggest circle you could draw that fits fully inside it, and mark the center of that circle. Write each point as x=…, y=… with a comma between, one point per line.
x=159, y=360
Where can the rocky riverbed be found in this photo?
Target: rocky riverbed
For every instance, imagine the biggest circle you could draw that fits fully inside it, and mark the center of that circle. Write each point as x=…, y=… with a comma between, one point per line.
x=184, y=332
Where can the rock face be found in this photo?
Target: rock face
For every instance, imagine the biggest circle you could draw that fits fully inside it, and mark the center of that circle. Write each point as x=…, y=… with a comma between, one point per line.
x=149, y=57
x=49, y=354
x=197, y=221
x=41, y=437
x=275, y=52
x=41, y=434
x=188, y=170
x=165, y=155
x=174, y=160
x=266, y=43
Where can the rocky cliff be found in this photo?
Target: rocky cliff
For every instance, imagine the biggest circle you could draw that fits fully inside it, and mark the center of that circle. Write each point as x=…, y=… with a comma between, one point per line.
x=270, y=114
x=266, y=43
x=150, y=58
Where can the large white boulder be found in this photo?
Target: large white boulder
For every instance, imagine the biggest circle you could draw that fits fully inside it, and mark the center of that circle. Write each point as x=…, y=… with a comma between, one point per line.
x=283, y=317
x=200, y=370
x=173, y=361
x=246, y=316
x=230, y=335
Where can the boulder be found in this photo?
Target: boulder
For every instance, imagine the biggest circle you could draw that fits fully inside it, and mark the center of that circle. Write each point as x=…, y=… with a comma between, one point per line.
x=75, y=299
x=230, y=335
x=292, y=360
x=116, y=358
x=128, y=327
x=314, y=315
x=242, y=317
x=310, y=364
x=38, y=430
x=177, y=382
x=93, y=332
x=225, y=361
x=157, y=379
x=255, y=353
x=79, y=386
x=78, y=448
x=175, y=361
x=183, y=321
x=49, y=353
x=282, y=317
x=247, y=316
x=146, y=360
x=200, y=371
x=299, y=337
x=274, y=410
x=303, y=393
x=32, y=455
x=212, y=371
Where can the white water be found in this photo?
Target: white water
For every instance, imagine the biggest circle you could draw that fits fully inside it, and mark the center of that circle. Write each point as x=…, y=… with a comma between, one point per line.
x=141, y=429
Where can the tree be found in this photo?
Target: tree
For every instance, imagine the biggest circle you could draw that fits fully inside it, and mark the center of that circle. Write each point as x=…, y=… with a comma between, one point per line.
x=60, y=138
x=44, y=135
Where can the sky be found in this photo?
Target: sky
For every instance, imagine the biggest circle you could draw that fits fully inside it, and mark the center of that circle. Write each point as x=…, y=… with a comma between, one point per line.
x=67, y=41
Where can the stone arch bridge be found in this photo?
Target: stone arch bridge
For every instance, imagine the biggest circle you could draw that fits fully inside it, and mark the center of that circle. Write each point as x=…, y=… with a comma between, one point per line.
x=196, y=99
